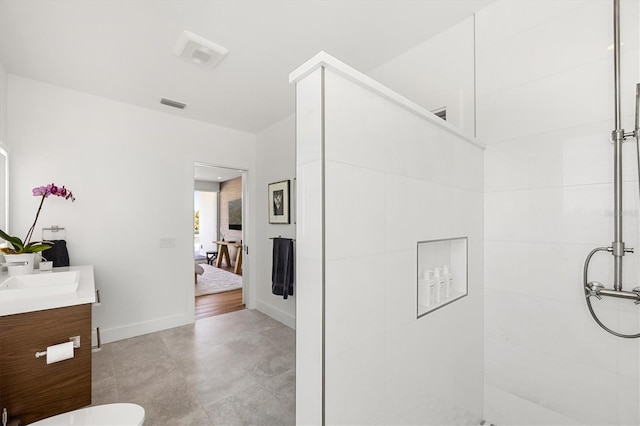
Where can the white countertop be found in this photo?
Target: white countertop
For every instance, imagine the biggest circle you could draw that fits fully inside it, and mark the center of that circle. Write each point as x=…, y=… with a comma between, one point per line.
x=86, y=293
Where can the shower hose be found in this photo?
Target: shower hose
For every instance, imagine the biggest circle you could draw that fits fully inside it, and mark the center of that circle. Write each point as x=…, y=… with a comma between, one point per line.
x=585, y=287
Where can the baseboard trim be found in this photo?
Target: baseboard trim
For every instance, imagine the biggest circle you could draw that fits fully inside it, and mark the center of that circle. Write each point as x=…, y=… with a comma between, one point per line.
x=108, y=335
x=277, y=314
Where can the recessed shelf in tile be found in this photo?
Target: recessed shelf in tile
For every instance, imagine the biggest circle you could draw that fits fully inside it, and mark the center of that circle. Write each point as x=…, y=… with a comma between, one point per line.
x=442, y=273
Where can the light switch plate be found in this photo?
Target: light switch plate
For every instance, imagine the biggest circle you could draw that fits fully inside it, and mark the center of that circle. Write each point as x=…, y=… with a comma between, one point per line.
x=167, y=242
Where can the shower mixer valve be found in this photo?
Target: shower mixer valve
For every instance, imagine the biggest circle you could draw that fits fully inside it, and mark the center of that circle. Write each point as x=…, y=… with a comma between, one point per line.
x=593, y=288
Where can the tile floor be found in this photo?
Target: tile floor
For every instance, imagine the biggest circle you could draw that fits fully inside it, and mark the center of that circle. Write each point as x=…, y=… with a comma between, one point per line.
x=231, y=369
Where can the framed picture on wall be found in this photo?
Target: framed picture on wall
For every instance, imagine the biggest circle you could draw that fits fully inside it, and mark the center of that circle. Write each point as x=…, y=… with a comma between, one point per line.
x=279, y=202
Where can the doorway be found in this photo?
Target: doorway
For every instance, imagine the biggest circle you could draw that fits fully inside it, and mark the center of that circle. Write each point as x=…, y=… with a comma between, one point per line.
x=219, y=226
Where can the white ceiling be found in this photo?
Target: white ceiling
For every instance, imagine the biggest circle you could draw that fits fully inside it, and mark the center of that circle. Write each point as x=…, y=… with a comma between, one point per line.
x=123, y=49
x=206, y=172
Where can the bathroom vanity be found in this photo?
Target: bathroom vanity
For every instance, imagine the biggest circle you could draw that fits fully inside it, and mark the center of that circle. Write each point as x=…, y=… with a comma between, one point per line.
x=34, y=317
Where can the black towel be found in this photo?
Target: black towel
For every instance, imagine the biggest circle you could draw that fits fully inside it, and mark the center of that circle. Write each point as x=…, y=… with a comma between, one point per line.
x=282, y=267
x=58, y=253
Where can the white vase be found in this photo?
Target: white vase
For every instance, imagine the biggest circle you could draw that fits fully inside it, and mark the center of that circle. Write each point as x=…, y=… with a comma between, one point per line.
x=20, y=269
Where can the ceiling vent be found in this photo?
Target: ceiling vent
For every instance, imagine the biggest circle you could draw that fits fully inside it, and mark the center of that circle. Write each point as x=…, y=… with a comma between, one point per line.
x=172, y=103
x=441, y=112
x=199, y=50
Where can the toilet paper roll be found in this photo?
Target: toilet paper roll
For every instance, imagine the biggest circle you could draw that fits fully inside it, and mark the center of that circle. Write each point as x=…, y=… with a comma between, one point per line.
x=59, y=352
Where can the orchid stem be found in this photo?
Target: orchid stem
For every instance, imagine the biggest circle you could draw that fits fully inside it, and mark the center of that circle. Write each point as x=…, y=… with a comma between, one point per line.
x=27, y=239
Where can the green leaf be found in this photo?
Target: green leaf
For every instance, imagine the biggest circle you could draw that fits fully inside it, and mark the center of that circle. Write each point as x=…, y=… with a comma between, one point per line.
x=15, y=241
x=36, y=247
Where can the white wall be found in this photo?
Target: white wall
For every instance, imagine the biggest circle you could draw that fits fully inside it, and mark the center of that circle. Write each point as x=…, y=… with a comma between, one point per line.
x=131, y=170
x=3, y=104
x=208, y=230
x=545, y=107
x=375, y=177
x=208, y=216
x=275, y=151
x=4, y=216
x=438, y=73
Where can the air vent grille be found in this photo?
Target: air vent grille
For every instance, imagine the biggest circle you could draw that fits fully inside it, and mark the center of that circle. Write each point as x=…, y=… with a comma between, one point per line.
x=172, y=103
x=441, y=112
x=199, y=50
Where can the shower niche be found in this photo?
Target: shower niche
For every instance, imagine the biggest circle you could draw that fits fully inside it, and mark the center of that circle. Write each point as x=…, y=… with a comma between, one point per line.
x=442, y=273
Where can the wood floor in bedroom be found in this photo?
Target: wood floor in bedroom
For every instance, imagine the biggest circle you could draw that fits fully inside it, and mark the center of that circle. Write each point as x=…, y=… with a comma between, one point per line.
x=210, y=305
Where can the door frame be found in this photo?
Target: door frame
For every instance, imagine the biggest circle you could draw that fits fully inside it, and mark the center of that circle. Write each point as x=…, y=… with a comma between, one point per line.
x=247, y=235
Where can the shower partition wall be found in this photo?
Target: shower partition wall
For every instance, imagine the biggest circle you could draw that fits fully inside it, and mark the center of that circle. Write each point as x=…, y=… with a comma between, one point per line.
x=377, y=174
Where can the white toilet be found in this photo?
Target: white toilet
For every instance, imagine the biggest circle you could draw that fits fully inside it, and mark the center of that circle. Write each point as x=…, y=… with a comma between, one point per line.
x=121, y=414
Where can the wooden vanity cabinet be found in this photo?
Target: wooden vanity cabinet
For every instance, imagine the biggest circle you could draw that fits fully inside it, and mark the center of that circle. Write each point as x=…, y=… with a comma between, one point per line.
x=31, y=389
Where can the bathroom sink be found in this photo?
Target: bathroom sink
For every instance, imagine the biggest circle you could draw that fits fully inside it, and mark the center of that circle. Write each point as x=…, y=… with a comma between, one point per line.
x=38, y=285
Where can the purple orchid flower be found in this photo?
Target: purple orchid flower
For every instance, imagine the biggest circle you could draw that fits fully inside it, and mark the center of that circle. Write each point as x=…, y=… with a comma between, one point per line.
x=44, y=192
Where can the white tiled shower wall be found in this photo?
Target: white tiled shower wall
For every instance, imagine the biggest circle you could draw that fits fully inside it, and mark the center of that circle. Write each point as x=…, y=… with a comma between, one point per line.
x=545, y=109
x=393, y=179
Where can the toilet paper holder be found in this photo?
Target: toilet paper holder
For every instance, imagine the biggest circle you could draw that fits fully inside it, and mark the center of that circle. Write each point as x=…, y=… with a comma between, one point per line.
x=74, y=339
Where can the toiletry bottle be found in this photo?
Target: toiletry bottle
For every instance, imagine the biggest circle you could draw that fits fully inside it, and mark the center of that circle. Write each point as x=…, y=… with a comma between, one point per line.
x=437, y=282
x=448, y=279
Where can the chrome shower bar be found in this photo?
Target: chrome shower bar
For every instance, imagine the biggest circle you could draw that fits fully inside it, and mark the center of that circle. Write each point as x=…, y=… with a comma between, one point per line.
x=617, y=137
x=617, y=248
x=616, y=63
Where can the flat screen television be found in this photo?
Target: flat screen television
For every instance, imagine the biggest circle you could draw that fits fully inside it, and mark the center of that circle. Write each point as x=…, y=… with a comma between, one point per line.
x=235, y=215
